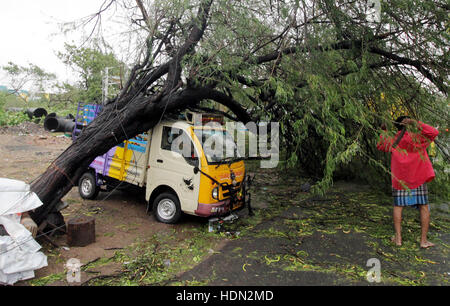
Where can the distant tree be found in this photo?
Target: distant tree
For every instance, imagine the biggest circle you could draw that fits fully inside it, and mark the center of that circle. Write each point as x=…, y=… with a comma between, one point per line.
x=32, y=77
x=90, y=64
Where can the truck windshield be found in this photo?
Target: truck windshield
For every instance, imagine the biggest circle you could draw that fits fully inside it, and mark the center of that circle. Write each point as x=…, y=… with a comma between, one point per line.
x=218, y=145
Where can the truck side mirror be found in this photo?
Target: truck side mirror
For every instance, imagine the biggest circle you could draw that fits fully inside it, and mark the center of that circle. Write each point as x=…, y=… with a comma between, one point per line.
x=196, y=169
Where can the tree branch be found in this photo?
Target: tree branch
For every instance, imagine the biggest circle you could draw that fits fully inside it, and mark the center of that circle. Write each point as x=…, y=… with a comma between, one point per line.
x=419, y=65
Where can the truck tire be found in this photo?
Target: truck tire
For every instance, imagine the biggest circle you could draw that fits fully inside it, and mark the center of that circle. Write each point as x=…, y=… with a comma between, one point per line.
x=87, y=186
x=166, y=208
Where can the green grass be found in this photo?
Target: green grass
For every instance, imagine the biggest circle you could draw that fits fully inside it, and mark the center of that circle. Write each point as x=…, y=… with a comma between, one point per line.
x=46, y=280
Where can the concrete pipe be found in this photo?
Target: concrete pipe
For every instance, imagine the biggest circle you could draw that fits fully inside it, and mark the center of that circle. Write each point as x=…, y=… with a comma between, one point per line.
x=69, y=116
x=57, y=124
x=36, y=112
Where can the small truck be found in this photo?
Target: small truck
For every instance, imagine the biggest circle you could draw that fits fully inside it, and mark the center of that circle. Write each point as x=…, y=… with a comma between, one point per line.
x=198, y=183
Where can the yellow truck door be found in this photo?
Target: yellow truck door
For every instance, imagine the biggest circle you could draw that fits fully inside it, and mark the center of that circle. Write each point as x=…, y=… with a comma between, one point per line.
x=129, y=161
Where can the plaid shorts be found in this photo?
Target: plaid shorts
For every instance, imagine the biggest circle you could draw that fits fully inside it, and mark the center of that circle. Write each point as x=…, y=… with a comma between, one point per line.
x=412, y=197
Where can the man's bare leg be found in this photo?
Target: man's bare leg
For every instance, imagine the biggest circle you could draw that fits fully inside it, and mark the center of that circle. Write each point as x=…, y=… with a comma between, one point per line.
x=397, y=239
x=424, y=223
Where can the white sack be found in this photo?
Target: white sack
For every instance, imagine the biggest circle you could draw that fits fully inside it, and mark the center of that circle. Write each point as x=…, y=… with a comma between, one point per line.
x=16, y=197
x=19, y=255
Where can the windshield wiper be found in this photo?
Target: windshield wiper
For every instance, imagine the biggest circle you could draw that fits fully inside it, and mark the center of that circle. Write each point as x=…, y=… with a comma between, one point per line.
x=234, y=159
x=228, y=161
x=224, y=160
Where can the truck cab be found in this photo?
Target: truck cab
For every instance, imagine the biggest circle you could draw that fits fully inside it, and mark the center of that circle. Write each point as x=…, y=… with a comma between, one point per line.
x=182, y=164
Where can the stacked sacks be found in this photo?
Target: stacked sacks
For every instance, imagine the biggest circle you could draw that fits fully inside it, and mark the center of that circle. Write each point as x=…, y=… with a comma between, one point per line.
x=19, y=252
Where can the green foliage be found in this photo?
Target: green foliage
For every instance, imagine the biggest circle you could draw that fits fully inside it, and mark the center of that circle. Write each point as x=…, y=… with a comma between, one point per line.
x=160, y=258
x=43, y=281
x=3, y=97
x=330, y=102
x=10, y=118
x=439, y=187
x=90, y=64
x=31, y=76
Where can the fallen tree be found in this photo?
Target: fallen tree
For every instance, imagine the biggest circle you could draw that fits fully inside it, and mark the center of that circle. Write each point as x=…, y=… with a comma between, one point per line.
x=316, y=68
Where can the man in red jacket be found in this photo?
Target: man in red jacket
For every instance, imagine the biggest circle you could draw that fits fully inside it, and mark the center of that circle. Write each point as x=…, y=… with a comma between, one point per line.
x=411, y=169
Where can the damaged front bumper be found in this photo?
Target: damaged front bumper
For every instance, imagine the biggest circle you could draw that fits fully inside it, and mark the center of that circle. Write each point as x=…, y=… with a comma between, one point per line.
x=219, y=208
x=237, y=199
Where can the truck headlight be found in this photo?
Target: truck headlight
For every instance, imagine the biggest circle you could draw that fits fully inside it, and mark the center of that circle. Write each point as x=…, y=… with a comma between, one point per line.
x=215, y=193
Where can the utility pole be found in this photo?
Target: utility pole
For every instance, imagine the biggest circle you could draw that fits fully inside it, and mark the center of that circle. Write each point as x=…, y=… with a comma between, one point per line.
x=106, y=82
x=105, y=85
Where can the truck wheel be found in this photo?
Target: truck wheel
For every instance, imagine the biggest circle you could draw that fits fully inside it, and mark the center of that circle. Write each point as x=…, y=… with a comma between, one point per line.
x=87, y=186
x=167, y=208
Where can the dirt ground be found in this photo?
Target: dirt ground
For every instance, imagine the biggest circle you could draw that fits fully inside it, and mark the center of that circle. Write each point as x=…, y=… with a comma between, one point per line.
x=293, y=239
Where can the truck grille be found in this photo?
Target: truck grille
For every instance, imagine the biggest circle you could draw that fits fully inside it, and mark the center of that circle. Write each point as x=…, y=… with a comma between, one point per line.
x=230, y=190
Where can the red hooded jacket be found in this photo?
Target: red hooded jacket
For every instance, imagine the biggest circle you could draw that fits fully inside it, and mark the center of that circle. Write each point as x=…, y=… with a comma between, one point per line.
x=410, y=163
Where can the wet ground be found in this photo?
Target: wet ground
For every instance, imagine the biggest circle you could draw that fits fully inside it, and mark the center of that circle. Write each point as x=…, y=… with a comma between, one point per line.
x=294, y=238
x=300, y=239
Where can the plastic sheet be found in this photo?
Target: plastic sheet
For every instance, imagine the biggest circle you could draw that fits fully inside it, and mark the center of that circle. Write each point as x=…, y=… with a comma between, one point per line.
x=19, y=252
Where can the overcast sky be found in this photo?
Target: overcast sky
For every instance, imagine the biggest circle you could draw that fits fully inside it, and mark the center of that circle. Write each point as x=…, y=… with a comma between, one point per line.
x=30, y=32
